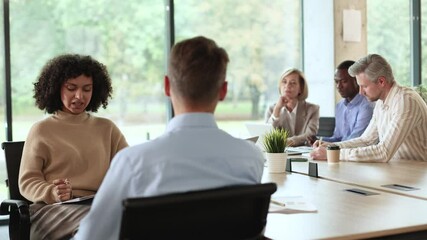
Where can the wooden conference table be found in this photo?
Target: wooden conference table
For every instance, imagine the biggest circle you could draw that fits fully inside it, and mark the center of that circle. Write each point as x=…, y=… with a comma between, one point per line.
x=343, y=214
x=400, y=177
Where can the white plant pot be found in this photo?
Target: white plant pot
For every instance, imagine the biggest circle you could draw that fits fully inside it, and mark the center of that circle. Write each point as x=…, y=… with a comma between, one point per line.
x=276, y=162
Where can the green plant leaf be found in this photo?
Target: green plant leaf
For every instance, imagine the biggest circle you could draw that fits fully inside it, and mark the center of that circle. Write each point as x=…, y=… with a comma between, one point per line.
x=275, y=141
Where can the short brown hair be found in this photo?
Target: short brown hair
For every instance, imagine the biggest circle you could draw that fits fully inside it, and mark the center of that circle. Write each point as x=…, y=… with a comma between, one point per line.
x=197, y=69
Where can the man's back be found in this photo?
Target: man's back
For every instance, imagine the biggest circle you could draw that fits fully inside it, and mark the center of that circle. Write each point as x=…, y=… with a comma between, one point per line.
x=193, y=154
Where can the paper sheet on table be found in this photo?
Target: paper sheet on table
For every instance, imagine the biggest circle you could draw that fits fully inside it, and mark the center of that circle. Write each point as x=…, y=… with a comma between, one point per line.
x=292, y=204
x=298, y=150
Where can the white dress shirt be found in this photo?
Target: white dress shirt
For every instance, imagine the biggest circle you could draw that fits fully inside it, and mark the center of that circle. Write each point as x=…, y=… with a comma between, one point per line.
x=292, y=116
x=192, y=154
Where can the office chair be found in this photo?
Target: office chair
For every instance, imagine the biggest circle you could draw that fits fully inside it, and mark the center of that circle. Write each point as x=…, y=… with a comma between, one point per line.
x=236, y=212
x=17, y=206
x=326, y=126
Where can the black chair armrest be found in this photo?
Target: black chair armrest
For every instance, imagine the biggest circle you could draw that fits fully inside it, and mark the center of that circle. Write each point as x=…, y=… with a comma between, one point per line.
x=9, y=205
x=19, y=218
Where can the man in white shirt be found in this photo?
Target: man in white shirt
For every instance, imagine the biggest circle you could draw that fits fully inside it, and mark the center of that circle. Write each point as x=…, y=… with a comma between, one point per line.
x=192, y=154
x=398, y=128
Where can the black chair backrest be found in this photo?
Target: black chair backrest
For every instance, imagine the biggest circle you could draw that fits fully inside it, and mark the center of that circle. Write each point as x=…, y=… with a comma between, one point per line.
x=237, y=212
x=326, y=126
x=13, y=154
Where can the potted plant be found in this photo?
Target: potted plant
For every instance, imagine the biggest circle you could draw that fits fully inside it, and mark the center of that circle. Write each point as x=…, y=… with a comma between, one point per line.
x=275, y=143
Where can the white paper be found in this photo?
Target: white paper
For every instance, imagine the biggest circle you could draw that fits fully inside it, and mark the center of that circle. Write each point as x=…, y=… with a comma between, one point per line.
x=352, y=25
x=298, y=150
x=291, y=204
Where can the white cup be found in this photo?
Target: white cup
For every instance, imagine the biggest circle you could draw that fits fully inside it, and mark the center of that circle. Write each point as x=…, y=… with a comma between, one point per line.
x=333, y=154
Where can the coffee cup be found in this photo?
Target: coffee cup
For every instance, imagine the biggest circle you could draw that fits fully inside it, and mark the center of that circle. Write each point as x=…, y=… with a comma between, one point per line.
x=333, y=154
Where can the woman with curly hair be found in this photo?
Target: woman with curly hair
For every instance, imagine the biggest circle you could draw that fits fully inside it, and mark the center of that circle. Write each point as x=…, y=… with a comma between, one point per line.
x=67, y=154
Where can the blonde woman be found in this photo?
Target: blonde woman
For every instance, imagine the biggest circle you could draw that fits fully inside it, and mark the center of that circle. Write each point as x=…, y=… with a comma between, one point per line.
x=291, y=111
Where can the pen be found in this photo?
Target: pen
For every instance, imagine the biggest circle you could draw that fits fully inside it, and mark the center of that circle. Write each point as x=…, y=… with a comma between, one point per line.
x=320, y=141
x=277, y=202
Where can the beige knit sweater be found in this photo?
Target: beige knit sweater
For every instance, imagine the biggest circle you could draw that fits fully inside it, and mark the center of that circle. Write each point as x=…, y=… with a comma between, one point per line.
x=77, y=147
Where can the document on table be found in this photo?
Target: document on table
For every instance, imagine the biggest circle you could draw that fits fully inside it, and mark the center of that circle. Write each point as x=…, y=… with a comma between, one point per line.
x=298, y=150
x=291, y=204
x=76, y=200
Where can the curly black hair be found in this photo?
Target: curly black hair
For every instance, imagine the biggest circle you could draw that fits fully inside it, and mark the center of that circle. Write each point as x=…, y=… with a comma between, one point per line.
x=47, y=89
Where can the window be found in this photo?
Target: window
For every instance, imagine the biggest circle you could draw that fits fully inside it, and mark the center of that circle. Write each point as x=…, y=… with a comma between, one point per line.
x=3, y=189
x=389, y=35
x=424, y=42
x=261, y=39
x=128, y=37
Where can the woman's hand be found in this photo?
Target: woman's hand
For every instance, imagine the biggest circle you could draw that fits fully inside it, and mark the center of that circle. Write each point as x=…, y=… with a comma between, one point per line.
x=281, y=102
x=62, y=190
x=290, y=143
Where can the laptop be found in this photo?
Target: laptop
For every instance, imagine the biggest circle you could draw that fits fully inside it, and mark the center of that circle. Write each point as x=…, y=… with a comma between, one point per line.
x=258, y=129
x=252, y=139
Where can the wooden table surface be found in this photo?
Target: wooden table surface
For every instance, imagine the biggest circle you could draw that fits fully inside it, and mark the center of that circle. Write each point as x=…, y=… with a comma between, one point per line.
x=342, y=214
x=375, y=175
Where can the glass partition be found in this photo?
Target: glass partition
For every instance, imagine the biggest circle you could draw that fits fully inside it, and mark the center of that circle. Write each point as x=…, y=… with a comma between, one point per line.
x=3, y=189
